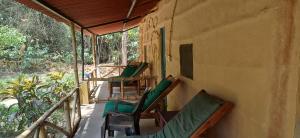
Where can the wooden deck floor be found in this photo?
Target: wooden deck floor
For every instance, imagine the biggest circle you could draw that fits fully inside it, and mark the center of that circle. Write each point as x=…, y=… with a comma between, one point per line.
x=92, y=120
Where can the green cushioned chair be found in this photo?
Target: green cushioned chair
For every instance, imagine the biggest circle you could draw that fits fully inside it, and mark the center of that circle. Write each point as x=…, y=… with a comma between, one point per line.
x=201, y=113
x=127, y=122
x=127, y=107
x=139, y=69
x=129, y=72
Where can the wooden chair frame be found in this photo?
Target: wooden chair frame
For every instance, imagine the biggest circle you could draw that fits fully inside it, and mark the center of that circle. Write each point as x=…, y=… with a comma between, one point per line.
x=155, y=106
x=133, y=118
x=213, y=119
x=133, y=81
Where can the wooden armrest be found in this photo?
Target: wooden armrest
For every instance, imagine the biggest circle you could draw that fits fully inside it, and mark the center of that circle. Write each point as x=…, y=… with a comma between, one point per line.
x=112, y=66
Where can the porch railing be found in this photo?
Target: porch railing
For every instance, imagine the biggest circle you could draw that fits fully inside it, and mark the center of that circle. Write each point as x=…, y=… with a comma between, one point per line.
x=70, y=105
x=92, y=75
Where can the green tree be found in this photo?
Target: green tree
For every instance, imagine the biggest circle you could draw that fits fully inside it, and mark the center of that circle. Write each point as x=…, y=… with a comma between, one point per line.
x=133, y=44
x=109, y=46
x=11, y=41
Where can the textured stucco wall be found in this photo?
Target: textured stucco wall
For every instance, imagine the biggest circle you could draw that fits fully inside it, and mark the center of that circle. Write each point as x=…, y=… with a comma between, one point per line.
x=245, y=51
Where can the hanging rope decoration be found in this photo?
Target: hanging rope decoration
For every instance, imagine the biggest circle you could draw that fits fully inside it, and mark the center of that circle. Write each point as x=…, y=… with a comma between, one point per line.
x=171, y=32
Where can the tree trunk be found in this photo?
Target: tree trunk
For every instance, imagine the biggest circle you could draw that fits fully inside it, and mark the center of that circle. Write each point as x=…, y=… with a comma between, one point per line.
x=124, y=47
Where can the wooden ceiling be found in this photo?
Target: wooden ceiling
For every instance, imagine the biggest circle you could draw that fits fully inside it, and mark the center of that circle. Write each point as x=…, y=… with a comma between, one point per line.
x=95, y=16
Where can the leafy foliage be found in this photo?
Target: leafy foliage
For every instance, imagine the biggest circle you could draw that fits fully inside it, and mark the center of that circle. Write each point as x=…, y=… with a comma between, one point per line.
x=133, y=44
x=34, y=59
x=58, y=85
x=8, y=125
x=11, y=41
x=10, y=37
x=34, y=98
x=110, y=46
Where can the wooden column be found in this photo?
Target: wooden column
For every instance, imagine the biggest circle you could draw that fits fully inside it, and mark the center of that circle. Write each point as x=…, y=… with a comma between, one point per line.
x=74, y=45
x=122, y=89
x=94, y=49
x=82, y=54
x=43, y=132
x=94, y=58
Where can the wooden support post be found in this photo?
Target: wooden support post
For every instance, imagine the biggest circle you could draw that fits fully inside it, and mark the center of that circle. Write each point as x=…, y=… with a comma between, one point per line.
x=138, y=87
x=67, y=116
x=94, y=44
x=110, y=89
x=37, y=133
x=122, y=89
x=73, y=114
x=82, y=54
x=74, y=45
x=95, y=76
x=78, y=103
x=94, y=49
x=42, y=133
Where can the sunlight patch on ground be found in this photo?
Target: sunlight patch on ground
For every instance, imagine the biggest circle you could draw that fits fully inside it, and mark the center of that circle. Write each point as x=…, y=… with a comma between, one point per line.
x=9, y=102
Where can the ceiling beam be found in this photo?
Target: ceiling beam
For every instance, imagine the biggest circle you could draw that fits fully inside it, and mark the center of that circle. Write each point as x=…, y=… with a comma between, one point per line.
x=117, y=31
x=121, y=20
x=131, y=8
x=129, y=12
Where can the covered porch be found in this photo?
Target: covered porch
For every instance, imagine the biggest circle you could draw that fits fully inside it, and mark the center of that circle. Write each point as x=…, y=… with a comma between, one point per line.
x=246, y=52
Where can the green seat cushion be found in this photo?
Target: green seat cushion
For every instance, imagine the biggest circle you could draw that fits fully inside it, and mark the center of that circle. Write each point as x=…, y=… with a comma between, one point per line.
x=124, y=107
x=129, y=70
x=191, y=117
x=139, y=68
x=154, y=94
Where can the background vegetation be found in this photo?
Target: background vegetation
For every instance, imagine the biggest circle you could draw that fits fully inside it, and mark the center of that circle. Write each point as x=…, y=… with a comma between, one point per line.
x=29, y=39
x=110, y=46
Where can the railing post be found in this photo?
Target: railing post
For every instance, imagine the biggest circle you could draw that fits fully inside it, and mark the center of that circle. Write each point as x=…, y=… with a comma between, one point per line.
x=78, y=103
x=42, y=133
x=122, y=89
x=37, y=133
x=67, y=115
x=95, y=76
